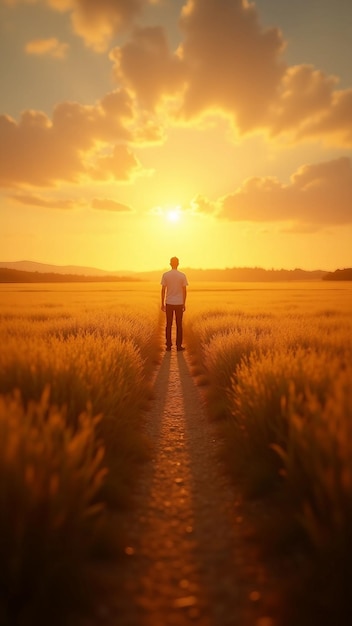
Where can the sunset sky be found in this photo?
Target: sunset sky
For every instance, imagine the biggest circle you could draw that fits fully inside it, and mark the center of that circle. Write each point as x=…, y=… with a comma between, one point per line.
x=219, y=131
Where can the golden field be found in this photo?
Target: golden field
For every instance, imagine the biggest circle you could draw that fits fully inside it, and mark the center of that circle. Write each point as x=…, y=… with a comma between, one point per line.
x=276, y=362
x=75, y=371
x=76, y=365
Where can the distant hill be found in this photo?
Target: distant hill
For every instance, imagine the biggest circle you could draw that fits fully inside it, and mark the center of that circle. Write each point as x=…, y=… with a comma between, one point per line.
x=30, y=271
x=345, y=274
x=33, y=266
x=243, y=274
x=18, y=276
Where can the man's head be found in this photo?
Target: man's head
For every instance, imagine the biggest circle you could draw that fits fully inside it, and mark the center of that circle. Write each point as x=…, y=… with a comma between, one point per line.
x=174, y=262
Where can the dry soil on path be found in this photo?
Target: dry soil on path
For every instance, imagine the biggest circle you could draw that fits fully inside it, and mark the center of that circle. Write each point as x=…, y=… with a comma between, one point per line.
x=190, y=556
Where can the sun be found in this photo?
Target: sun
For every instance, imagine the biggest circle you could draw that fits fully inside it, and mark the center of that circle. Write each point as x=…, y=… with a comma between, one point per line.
x=173, y=215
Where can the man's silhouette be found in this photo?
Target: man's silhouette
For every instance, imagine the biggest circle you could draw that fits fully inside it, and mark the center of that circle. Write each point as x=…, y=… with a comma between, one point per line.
x=173, y=301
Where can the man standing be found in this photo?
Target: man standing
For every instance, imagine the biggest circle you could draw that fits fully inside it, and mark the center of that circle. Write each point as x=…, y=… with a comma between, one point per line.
x=173, y=301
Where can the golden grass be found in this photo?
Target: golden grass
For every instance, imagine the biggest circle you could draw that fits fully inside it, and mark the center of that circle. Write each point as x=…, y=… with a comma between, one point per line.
x=51, y=478
x=75, y=375
x=76, y=365
x=278, y=364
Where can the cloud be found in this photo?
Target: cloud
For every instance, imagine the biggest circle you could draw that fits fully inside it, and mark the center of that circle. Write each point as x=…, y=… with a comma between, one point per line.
x=100, y=204
x=147, y=68
x=96, y=22
x=47, y=47
x=149, y=132
x=226, y=61
x=79, y=142
x=333, y=124
x=33, y=200
x=104, y=204
x=236, y=66
x=305, y=92
x=120, y=164
x=228, y=64
x=200, y=205
x=317, y=195
x=309, y=106
x=232, y=62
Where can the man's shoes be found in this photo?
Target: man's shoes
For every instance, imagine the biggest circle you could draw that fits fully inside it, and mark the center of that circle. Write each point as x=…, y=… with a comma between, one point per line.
x=180, y=349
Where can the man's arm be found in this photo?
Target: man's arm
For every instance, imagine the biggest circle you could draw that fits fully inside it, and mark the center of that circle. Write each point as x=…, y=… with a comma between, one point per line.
x=163, y=289
x=184, y=293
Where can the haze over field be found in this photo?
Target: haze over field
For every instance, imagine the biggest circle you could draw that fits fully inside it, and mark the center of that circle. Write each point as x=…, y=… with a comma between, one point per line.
x=217, y=130
x=29, y=271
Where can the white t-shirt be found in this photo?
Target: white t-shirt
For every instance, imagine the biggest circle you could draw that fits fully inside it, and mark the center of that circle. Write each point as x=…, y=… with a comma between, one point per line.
x=174, y=281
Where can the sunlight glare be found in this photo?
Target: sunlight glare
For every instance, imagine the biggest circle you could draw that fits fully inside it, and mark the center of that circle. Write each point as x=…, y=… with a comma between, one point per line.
x=173, y=215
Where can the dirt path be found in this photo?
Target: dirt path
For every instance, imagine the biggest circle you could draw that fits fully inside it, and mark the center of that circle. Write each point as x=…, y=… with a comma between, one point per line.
x=189, y=560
